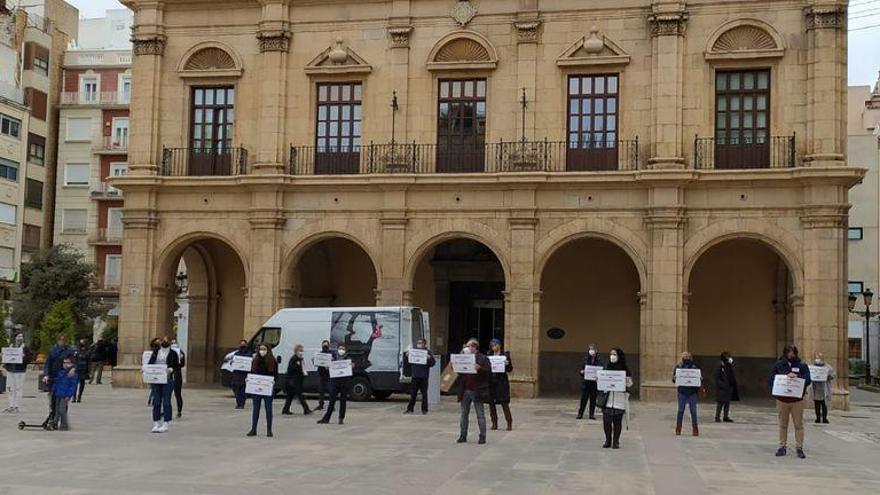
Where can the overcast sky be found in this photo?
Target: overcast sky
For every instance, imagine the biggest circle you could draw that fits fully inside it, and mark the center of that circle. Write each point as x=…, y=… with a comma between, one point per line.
x=864, y=44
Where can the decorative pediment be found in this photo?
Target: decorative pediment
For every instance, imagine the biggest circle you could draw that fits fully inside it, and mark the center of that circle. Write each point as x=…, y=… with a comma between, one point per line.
x=593, y=50
x=210, y=60
x=744, y=39
x=338, y=59
x=462, y=50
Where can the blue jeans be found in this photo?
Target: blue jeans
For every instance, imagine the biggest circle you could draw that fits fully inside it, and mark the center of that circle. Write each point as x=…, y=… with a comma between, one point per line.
x=161, y=398
x=470, y=397
x=691, y=401
x=255, y=416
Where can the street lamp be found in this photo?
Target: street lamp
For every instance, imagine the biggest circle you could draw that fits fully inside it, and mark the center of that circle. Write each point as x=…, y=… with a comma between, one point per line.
x=181, y=282
x=868, y=297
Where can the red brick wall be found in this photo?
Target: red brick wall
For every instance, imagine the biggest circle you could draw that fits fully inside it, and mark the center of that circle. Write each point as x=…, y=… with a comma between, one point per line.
x=109, y=115
x=108, y=77
x=101, y=252
x=105, y=163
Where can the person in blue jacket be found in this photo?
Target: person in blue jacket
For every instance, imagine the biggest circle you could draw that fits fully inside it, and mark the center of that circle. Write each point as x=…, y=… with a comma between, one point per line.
x=63, y=389
x=790, y=364
x=54, y=364
x=419, y=374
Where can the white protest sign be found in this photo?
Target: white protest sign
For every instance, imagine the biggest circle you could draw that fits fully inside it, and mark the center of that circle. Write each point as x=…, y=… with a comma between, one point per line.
x=155, y=374
x=611, y=380
x=417, y=356
x=783, y=386
x=322, y=359
x=260, y=385
x=590, y=372
x=242, y=363
x=340, y=369
x=819, y=373
x=145, y=358
x=499, y=364
x=308, y=362
x=13, y=355
x=688, y=377
x=464, y=363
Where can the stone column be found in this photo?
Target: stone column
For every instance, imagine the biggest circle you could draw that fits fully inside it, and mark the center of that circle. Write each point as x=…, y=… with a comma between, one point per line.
x=521, y=306
x=826, y=84
x=148, y=48
x=528, y=36
x=273, y=38
x=667, y=23
x=198, y=368
x=263, y=292
x=393, y=290
x=399, y=31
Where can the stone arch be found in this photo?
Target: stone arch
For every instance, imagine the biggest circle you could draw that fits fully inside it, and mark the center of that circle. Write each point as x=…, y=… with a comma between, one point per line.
x=174, y=249
x=210, y=57
x=293, y=255
x=417, y=247
x=463, y=48
x=745, y=36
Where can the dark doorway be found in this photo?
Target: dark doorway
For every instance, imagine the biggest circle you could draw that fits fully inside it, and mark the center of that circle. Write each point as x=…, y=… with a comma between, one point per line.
x=476, y=310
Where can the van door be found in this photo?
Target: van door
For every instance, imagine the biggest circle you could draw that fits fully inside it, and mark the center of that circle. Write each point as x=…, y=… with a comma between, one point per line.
x=406, y=340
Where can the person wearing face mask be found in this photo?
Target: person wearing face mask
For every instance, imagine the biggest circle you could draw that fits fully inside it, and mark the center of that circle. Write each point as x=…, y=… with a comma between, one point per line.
x=177, y=378
x=615, y=404
x=239, y=377
x=419, y=375
x=790, y=364
x=686, y=395
x=339, y=389
x=15, y=373
x=54, y=364
x=263, y=364
x=726, y=389
x=82, y=362
x=293, y=385
x=499, y=387
x=161, y=392
x=63, y=389
x=589, y=389
x=323, y=377
x=821, y=391
x=473, y=389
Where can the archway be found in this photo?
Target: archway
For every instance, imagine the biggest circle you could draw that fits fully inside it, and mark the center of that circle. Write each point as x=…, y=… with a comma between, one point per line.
x=334, y=272
x=203, y=303
x=740, y=291
x=589, y=295
x=460, y=282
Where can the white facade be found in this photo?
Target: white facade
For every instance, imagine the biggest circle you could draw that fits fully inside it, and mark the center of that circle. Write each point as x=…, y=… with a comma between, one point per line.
x=112, y=32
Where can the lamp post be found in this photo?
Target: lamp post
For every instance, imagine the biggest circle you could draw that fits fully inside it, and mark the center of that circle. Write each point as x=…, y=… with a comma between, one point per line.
x=868, y=297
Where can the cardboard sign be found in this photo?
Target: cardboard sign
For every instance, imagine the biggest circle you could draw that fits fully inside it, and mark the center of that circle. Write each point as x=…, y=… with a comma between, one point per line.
x=242, y=363
x=260, y=385
x=13, y=355
x=688, y=377
x=417, y=356
x=447, y=378
x=783, y=386
x=819, y=373
x=590, y=372
x=340, y=369
x=499, y=364
x=322, y=359
x=611, y=381
x=155, y=374
x=464, y=363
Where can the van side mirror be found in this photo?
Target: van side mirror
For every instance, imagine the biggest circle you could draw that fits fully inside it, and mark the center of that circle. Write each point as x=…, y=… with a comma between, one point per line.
x=278, y=359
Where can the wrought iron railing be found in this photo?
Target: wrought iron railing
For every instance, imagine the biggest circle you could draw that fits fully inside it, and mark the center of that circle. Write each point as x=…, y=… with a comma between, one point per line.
x=182, y=162
x=515, y=156
x=745, y=153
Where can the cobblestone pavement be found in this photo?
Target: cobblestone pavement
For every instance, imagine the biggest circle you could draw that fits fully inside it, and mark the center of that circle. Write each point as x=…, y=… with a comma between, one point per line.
x=110, y=450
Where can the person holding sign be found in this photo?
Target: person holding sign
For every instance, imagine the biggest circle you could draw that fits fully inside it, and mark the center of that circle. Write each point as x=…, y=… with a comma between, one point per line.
x=473, y=388
x=688, y=380
x=499, y=385
x=263, y=364
x=726, y=389
x=790, y=366
x=589, y=391
x=293, y=384
x=323, y=376
x=15, y=361
x=161, y=392
x=821, y=374
x=177, y=378
x=615, y=404
x=419, y=369
x=339, y=388
x=239, y=377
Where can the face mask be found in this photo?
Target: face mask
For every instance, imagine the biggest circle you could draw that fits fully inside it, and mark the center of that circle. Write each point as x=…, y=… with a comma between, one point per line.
x=730, y=360
x=818, y=362
x=613, y=358
x=263, y=352
x=67, y=366
x=175, y=346
x=341, y=352
x=420, y=345
x=299, y=354
x=592, y=352
x=166, y=344
x=19, y=341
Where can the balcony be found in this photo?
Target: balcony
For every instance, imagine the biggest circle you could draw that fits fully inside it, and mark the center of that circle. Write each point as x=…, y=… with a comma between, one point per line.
x=103, y=190
x=743, y=154
x=106, y=236
x=111, y=145
x=503, y=157
x=105, y=284
x=185, y=162
x=106, y=98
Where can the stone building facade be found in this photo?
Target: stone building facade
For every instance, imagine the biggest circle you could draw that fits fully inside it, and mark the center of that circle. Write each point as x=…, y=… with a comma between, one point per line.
x=655, y=175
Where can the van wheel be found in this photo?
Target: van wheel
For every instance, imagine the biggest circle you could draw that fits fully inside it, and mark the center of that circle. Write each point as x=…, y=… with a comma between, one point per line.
x=381, y=394
x=360, y=389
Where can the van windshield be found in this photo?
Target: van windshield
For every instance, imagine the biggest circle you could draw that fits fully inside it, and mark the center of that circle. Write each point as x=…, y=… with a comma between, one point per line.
x=270, y=336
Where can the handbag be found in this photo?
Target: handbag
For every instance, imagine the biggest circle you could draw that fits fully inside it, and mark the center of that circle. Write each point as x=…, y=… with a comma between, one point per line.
x=704, y=392
x=602, y=400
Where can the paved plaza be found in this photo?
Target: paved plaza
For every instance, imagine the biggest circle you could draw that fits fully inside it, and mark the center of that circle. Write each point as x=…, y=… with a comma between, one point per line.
x=111, y=451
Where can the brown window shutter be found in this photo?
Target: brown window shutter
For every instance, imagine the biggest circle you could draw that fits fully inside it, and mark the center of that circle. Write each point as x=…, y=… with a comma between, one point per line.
x=28, y=55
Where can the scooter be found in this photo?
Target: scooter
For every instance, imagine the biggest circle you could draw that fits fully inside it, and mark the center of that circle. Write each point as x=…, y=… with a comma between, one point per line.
x=48, y=425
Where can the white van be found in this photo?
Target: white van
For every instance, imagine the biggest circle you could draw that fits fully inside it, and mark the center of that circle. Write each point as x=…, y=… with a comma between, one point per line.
x=375, y=337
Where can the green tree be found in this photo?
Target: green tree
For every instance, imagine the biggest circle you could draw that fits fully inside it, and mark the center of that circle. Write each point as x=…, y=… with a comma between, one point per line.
x=59, y=273
x=59, y=319
x=4, y=335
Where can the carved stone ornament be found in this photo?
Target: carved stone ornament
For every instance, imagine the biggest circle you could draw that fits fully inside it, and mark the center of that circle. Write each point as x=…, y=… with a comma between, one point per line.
x=148, y=46
x=463, y=12
x=528, y=31
x=829, y=17
x=400, y=36
x=668, y=24
x=278, y=41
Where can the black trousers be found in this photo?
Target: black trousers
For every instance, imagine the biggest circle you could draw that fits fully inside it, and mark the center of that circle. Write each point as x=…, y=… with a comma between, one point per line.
x=418, y=385
x=178, y=393
x=589, y=392
x=80, y=388
x=338, y=391
x=291, y=392
x=323, y=388
x=722, y=406
x=821, y=410
x=613, y=424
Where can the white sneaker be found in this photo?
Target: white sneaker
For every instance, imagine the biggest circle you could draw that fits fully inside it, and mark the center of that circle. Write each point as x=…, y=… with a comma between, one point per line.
x=163, y=428
x=156, y=425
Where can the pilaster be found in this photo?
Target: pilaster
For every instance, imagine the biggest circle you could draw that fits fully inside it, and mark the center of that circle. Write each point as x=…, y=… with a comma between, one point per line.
x=399, y=31
x=393, y=289
x=528, y=36
x=667, y=24
x=273, y=38
x=263, y=294
x=148, y=50
x=522, y=307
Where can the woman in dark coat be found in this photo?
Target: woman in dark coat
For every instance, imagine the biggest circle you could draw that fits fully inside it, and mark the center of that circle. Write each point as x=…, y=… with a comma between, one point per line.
x=615, y=404
x=725, y=387
x=237, y=381
x=83, y=360
x=499, y=387
x=263, y=364
x=293, y=386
